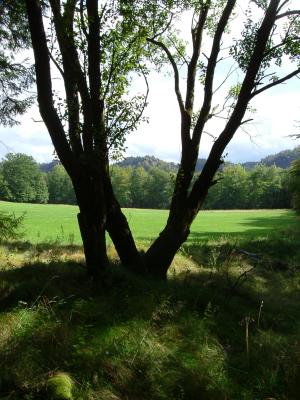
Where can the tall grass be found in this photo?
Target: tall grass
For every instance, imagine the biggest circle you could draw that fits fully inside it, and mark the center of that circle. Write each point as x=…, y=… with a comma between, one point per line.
x=202, y=334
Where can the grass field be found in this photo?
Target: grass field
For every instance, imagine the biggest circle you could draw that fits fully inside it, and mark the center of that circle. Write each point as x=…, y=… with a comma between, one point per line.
x=224, y=326
x=51, y=222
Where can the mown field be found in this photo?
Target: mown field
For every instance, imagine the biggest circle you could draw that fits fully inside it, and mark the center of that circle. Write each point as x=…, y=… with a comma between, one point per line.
x=224, y=326
x=44, y=222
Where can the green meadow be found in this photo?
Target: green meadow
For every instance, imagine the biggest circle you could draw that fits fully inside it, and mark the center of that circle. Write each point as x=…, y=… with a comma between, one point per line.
x=224, y=325
x=46, y=223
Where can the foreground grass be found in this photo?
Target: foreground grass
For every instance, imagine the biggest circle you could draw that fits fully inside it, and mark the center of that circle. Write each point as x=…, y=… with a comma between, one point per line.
x=50, y=223
x=209, y=332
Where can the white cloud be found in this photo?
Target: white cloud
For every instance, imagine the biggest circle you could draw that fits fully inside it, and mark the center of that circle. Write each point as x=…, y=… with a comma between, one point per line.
x=274, y=120
x=277, y=111
x=29, y=137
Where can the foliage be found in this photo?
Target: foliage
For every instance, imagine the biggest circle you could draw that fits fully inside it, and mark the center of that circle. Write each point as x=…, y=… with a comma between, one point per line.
x=60, y=187
x=22, y=180
x=283, y=160
x=16, y=75
x=121, y=179
x=148, y=182
x=260, y=187
x=237, y=188
x=10, y=226
x=295, y=184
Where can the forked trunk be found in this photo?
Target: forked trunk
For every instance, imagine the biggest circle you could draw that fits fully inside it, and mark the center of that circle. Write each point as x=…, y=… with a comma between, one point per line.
x=161, y=253
x=163, y=250
x=119, y=231
x=118, y=228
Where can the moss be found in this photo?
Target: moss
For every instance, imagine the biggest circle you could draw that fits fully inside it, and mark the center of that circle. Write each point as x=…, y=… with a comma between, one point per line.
x=60, y=386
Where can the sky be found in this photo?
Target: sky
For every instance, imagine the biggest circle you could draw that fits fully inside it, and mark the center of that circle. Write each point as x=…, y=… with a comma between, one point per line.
x=275, y=119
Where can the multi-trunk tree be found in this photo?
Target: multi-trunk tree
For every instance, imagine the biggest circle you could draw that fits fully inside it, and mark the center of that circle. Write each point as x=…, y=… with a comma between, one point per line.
x=98, y=47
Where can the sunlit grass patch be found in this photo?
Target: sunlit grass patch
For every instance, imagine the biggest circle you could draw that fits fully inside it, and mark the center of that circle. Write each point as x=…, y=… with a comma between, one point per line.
x=205, y=333
x=58, y=223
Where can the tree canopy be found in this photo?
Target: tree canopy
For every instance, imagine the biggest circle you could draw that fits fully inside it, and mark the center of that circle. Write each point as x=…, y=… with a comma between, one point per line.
x=16, y=73
x=295, y=184
x=22, y=180
x=98, y=47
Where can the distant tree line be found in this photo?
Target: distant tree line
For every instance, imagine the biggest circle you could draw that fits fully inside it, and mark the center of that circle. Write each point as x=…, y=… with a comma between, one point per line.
x=22, y=180
x=295, y=185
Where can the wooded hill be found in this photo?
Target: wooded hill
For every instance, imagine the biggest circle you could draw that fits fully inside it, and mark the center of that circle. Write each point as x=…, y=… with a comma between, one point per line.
x=283, y=159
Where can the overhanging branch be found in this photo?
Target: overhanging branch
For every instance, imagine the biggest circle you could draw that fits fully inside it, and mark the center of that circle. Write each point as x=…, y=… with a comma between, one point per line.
x=288, y=14
x=275, y=83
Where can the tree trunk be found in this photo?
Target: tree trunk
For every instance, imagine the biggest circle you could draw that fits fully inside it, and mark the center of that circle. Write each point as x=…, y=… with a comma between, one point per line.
x=120, y=233
x=92, y=221
x=94, y=243
x=161, y=253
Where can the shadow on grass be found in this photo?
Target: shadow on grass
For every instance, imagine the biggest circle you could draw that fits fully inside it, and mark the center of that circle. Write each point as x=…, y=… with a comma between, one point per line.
x=134, y=338
x=276, y=238
x=22, y=245
x=253, y=226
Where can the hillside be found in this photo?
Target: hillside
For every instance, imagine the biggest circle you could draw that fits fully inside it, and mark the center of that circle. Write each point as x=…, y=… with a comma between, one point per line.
x=47, y=167
x=283, y=159
x=148, y=162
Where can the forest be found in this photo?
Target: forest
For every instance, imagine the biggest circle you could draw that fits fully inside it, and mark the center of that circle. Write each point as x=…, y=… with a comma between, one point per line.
x=147, y=182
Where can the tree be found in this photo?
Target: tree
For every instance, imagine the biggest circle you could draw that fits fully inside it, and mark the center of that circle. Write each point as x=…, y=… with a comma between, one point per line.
x=24, y=182
x=138, y=189
x=254, y=53
x=232, y=188
x=60, y=186
x=267, y=188
x=295, y=184
x=100, y=47
x=159, y=188
x=120, y=178
x=16, y=76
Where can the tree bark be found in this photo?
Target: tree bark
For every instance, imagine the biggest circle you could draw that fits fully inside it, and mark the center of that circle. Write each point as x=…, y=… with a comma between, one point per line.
x=161, y=253
x=92, y=222
x=118, y=228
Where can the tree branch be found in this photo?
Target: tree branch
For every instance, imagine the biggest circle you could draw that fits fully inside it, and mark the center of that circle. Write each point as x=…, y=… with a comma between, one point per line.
x=197, y=34
x=64, y=29
x=60, y=70
x=288, y=14
x=175, y=70
x=44, y=86
x=200, y=188
x=211, y=66
x=94, y=60
x=275, y=83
